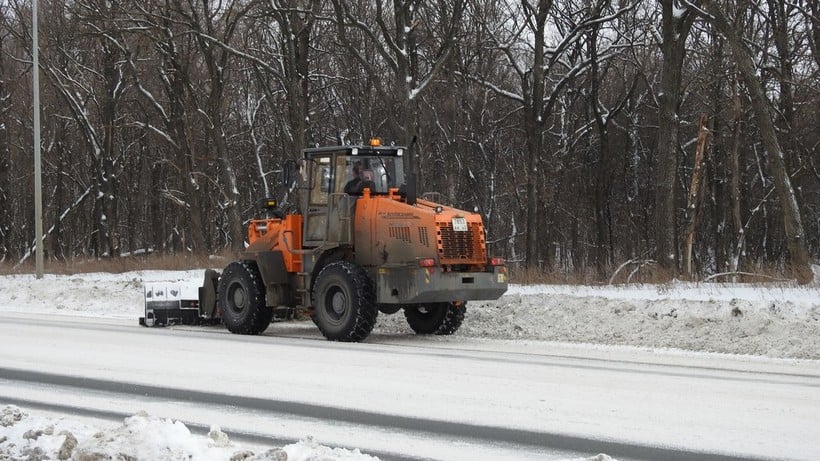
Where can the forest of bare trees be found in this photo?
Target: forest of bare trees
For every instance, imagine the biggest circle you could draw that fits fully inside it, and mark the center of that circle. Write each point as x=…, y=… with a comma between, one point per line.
x=573, y=126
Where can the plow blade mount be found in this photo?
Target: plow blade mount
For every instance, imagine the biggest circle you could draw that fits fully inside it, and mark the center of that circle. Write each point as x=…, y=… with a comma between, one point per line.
x=177, y=304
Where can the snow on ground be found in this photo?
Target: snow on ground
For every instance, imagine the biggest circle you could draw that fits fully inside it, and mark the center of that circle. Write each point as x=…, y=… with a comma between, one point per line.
x=25, y=436
x=141, y=437
x=776, y=320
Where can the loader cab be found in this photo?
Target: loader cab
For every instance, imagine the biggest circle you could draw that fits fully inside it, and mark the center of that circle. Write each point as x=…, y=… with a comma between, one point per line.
x=327, y=204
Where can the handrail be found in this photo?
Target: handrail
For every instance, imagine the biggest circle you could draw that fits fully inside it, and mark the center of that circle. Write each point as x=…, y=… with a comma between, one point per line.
x=299, y=251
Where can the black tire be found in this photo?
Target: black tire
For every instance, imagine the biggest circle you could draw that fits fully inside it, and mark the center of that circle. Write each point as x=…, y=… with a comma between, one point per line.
x=241, y=295
x=344, y=305
x=435, y=318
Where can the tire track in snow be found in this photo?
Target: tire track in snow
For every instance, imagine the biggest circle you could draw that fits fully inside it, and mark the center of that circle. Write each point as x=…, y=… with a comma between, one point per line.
x=435, y=428
x=421, y=347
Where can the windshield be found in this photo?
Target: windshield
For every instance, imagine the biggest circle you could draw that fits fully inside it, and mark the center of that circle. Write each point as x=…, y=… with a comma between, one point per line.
x=378, y=173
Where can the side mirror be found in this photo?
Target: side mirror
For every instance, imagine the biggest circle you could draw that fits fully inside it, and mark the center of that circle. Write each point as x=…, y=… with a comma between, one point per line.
x=290, y=174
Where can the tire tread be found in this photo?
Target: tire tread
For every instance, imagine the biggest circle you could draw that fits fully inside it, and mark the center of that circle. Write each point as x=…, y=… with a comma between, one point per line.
x=259, y=316
x=363, y=304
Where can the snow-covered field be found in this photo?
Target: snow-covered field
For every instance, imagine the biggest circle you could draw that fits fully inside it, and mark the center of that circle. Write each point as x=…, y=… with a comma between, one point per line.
x=779, y=321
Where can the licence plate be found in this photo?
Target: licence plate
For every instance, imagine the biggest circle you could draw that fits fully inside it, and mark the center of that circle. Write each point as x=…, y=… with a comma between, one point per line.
x=460, y=224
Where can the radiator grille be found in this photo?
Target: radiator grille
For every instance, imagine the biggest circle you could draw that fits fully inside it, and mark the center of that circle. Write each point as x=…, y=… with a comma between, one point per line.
x=461, y=247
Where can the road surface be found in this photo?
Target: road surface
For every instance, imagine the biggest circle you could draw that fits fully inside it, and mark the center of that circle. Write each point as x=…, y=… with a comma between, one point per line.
x=408, y=397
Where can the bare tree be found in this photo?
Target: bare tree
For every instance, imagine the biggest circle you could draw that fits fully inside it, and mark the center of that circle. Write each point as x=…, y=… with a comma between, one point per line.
x=174, y=48
x=413, y=40
x=91, y=86
x=542, y=71
x=676, y=22
x=603, y=117
x=795, y=237
x=781, y=20
x=214, y=25
x=570, y=125
x=289, y=44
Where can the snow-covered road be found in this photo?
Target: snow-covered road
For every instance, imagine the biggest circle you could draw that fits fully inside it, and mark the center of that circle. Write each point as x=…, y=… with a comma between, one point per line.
x=481, y=399
x=545, y=372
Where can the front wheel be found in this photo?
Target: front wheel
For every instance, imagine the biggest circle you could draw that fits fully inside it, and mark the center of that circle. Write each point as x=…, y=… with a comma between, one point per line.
x=241, y=295
x=344, y=306
x=435, y=318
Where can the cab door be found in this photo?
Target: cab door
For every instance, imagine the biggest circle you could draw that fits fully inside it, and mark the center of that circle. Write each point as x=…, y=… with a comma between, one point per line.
x=320, y=183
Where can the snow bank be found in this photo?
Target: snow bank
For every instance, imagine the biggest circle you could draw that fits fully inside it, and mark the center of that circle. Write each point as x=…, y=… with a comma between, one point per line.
x=776, y=320
x=140, y=437
x=786, y=326
x=26, y=436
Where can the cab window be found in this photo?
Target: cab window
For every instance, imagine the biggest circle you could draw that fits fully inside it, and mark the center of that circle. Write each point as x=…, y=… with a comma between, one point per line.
x=321, y=181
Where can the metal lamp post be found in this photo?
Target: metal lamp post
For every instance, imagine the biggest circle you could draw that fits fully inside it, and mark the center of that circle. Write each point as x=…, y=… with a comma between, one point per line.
x=38, y=186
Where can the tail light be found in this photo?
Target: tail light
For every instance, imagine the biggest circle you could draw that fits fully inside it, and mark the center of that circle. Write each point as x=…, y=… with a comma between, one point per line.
x=427, y=262
x=497, y=261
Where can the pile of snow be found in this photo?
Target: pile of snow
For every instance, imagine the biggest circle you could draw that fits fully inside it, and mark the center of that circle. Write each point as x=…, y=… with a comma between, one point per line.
x=775, y=321
x=25, y=436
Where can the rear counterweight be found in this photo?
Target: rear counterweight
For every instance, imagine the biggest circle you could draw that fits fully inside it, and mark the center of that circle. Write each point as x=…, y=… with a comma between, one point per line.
x=411, y=285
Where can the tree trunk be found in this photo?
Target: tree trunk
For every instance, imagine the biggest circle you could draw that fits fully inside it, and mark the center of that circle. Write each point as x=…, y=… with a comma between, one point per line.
x=534, y=112
x=778, y=19
x=185, y=161
x=107, y=177
x=814, y=21
x=217, y=61
x=603, y=174
x=740, y=243
x=675, y=31
x=297, y=25
x=693, y=202
x=231, y=189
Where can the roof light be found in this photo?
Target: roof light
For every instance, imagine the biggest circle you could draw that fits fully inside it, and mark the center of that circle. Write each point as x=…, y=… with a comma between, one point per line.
x=375, y=142
x=427, y=262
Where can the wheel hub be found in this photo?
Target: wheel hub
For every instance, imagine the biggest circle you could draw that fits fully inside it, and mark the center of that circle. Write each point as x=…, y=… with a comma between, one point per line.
x=239, y=297
x=338, y=303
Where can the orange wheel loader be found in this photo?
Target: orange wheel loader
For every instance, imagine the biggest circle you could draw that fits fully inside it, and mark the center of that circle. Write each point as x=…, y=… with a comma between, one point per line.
x=357, y=242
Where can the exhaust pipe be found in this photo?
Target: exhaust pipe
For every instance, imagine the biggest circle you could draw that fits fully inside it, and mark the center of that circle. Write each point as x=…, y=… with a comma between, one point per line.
x=411, y=175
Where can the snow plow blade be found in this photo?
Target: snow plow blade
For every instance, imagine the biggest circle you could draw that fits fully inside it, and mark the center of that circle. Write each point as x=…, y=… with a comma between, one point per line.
x=173, y=304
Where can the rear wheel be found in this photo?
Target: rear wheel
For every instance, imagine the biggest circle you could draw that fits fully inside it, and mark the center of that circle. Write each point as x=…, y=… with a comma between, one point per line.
x=435, y=318
x=242, y=299
x=344, y=305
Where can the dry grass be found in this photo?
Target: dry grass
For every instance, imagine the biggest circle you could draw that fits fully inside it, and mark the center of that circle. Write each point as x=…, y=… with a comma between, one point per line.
x=635, y=273
x=532, y=276
x=646, y=273
x=183, y=261
x=643, y=272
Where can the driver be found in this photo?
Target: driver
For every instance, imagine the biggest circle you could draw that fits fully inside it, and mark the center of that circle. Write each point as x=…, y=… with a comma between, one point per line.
x=362, y=179
x=354, y=186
